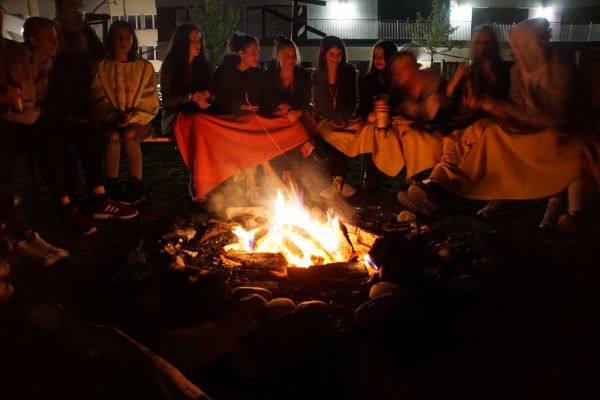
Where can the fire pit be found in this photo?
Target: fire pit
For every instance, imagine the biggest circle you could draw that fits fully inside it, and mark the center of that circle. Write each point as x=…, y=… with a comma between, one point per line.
x=295, y=242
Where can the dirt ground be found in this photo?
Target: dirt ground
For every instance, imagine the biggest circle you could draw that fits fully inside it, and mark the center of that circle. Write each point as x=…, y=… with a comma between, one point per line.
x=529, y=331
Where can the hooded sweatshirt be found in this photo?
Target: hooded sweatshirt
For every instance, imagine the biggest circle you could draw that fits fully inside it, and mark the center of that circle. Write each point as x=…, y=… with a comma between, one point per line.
x=542, y=84
x=120, y=88
x=234, y=88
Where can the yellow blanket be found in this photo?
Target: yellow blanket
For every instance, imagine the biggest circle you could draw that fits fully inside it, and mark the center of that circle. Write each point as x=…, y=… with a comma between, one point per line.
x=400, y=146
x=487, y=161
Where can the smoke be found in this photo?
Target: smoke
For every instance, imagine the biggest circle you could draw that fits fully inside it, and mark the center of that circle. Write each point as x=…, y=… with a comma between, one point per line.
x=309, y=179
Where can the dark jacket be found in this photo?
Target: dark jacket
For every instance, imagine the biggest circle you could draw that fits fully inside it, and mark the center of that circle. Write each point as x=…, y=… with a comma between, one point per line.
x=70, y=83
x=372, y=84
x=175, y=90
x=345, y=93
x=233, y=87
x=298, y=96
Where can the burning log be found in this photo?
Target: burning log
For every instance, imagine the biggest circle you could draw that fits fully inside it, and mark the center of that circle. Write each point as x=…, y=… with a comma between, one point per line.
x=345, y=271
x=260, y=261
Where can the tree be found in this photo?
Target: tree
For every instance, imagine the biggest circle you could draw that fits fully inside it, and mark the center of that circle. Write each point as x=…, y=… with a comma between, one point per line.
x=217, y=24
x=434, y=31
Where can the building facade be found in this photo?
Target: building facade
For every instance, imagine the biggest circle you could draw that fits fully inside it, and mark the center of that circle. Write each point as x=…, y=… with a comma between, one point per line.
x=362, y=22
x=140, y=13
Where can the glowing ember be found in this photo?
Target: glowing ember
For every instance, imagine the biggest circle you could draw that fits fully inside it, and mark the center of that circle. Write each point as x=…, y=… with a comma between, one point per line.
x=303, y=239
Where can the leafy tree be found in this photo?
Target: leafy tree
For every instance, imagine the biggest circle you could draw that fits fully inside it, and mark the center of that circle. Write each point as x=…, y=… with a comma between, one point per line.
x=217, y=24
x=434, y=31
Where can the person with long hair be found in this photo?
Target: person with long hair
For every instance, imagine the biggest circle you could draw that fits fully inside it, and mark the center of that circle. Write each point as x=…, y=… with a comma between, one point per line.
x=185, y=76
x=335, y=97
x=289, y=96
x=237, y=138
x=125, y=99
x=525, y=151
x=378, y=80
x=70, y=116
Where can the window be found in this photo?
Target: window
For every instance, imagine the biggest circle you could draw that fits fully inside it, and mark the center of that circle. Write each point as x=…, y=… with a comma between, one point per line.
x=149, y=52
x=138, y=19
x=115, y=18
x=149, y=21
x=132, y=20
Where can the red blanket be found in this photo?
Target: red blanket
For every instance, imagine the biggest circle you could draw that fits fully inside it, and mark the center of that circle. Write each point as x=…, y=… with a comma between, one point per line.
x=215, y=148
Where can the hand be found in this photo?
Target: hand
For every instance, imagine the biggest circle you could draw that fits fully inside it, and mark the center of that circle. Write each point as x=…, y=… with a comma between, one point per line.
x=293, y=115
x=11, y=96
x=246, y=107
x=371, y=118
x=124, y=121
x=462, y=71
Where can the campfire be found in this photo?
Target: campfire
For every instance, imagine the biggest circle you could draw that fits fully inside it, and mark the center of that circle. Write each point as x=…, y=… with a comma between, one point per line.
x=304, y=238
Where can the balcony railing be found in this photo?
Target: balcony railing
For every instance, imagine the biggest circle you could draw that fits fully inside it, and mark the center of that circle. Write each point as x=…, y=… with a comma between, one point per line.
x=402, y=30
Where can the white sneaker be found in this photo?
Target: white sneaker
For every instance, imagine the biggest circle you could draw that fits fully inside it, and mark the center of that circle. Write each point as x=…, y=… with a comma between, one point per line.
x=336, y=189
x=493, y=209
x=38, y=249
x=6, y=292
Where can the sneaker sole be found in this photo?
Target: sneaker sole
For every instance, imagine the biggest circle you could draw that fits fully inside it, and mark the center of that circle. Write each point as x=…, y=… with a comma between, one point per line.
x=413, y=206
x=110, y=216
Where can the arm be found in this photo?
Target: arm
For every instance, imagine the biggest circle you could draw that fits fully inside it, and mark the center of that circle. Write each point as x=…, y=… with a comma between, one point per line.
x=174, y=93
x=102, y=107
x=147, y=107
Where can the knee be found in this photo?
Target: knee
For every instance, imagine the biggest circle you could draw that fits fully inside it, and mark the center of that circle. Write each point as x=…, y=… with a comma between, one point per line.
x=113, y=137
x=129, y=135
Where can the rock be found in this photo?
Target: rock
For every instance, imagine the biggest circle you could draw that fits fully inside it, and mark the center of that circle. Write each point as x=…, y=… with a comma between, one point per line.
x=406, y=217
x=425, y=229
x=6, y=292
x=382, y=288
x=313, y=304
x=198, y=346
x=279, y=307
x=243, y=291
x=4, y=269
x=5, y=247
x=185, y=233
x=444, y=252
x=191, y=253
x=255, y=305
x=206, y=299
x=170, y=249
x=378, y=309
x=282, y=342
x=178, y=263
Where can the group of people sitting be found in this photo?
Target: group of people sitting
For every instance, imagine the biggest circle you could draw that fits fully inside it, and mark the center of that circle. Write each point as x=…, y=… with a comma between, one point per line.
x=487, y=134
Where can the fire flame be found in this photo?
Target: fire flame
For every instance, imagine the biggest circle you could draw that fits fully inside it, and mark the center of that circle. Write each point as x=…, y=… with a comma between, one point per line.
x=303, y=239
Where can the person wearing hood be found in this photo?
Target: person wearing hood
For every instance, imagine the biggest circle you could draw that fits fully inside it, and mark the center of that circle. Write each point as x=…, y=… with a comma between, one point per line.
x=238, y=80
x=523, y=152
x=236, y=137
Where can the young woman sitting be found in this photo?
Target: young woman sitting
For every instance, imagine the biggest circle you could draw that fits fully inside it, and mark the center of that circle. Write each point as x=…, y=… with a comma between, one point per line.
x=238, y=138
x=125, y=101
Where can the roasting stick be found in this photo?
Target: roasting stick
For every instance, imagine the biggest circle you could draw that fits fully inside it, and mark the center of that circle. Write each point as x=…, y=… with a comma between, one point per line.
x=290, y=191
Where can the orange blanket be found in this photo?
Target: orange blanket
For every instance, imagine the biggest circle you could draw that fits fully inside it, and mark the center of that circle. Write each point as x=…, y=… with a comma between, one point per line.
x=216, y=147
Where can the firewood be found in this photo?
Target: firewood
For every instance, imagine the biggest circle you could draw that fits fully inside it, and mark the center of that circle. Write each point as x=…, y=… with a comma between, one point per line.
x=261, y=261
x=327, y=273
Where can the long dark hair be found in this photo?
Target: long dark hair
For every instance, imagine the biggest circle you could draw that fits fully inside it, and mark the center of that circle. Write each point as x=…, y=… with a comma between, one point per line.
x=389, y=49
x=179, y=51
x=327, y=43
x=494, y=53
x=110, y=46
